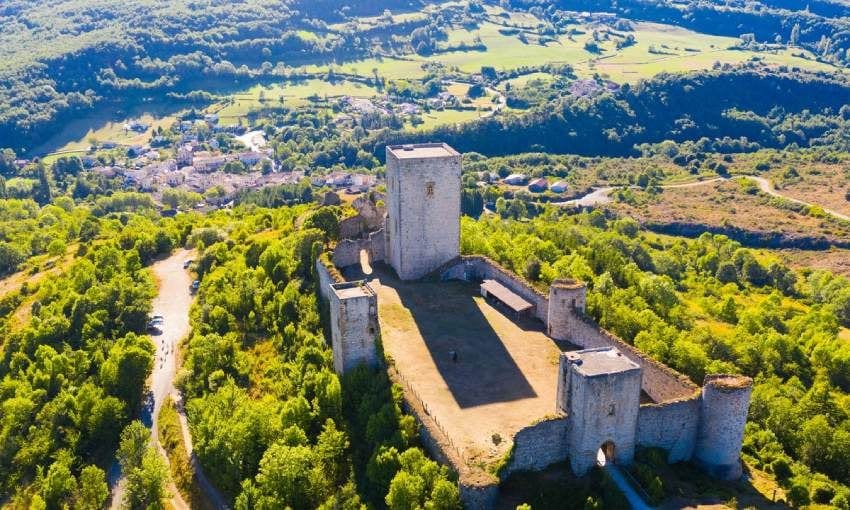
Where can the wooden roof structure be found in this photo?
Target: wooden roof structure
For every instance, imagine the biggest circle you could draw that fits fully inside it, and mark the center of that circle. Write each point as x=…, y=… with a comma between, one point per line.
x=506, y=296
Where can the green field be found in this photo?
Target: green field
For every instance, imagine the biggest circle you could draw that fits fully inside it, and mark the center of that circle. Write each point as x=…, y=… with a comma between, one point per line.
x=658, y=48
x=436, y=118
x=288, y=94
x=107, y=125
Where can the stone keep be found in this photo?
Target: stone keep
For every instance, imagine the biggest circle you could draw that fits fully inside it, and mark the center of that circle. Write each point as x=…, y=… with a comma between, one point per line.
x=423, y=207
x=723, y=415
x=599, y=389
x=354, y=325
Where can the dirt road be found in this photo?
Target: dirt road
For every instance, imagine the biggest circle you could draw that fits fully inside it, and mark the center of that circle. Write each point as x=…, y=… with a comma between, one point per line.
x=767, y=187
x=600, y=196
x=172, y=303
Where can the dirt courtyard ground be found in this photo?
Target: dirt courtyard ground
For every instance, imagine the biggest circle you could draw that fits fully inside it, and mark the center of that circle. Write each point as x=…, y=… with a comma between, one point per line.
x=505, y=375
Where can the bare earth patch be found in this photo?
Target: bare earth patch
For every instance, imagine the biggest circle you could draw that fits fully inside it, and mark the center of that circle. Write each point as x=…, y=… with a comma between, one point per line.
x=503, y=379
x=724, y=205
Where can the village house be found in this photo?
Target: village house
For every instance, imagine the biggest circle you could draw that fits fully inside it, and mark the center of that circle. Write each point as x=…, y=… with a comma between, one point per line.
x=538, y=185
x=516, y=179
x=559, y=187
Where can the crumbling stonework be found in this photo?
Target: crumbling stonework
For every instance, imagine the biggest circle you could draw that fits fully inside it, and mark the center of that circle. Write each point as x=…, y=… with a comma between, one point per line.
x=351, y=227
x=347, y=251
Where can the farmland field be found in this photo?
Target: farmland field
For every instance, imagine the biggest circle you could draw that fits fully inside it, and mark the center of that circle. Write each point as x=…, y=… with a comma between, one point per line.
x=511, y=40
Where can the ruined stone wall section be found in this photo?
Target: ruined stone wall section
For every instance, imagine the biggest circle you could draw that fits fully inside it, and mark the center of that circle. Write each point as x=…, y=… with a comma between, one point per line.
x=327, y=274
x=671, y=426
x=347, y=251
x=351, y=227
x=324, y=279
x=377, y=246
x=660, y=382
x=538, y=446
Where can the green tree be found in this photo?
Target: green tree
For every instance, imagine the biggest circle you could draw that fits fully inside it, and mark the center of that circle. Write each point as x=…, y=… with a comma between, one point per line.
x=93, y=489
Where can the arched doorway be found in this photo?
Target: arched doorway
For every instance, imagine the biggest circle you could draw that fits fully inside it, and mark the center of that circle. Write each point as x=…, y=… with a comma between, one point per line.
x=605, y=454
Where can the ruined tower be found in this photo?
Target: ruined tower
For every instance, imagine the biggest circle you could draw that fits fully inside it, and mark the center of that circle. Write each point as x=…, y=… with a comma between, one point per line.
x=423, y=207
x=599, y=389
x=354, y=325
x=723, y=414
x=567, y=300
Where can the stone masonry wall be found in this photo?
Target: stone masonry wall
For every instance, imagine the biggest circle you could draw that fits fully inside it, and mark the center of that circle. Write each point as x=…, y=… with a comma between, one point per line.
x=661, y=383
x=354, y=325
x=671, y=426
x=423, y=208
x=328, y=274
x=538, y=446
x=347, y=251
x=351, y=227
x=476, y=268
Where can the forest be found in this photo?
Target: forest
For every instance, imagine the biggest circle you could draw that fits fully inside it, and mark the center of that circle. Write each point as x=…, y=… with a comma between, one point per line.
x=746, y=115
x=710, y=306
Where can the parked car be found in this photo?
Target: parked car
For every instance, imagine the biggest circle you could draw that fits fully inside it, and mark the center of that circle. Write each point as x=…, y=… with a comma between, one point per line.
x=196, y=285
x=187, y=264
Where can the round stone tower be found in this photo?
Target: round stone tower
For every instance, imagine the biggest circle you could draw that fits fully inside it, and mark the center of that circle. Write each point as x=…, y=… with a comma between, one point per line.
x=566, y=302
x=723, y=414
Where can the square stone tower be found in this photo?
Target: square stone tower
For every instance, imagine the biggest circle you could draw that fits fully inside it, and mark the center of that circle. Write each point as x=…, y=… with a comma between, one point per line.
x=423, y=207
x=599, y=389
x=354, y=325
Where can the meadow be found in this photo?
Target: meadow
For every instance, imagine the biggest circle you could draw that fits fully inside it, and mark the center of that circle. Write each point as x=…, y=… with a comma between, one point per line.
x=512, y=41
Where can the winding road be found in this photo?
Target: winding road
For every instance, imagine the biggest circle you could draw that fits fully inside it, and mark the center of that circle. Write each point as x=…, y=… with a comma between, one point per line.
x=767, y=187
x=172, y=302
x=600, y=196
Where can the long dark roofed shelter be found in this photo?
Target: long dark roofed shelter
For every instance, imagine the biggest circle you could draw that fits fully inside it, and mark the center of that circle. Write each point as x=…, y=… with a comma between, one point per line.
x=494, y=289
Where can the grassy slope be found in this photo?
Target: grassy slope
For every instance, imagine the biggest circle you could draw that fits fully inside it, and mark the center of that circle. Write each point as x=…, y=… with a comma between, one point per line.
x=680, y=50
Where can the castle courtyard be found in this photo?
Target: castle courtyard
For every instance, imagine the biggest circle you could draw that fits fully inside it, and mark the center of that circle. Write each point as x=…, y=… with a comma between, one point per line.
x=480, y=372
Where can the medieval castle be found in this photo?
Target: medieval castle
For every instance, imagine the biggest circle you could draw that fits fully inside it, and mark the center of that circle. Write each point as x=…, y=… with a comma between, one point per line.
x=601, y=394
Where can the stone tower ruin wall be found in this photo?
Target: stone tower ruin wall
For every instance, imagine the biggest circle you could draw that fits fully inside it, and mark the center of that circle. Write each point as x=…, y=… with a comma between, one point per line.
x=354, y=325
x=723, y=415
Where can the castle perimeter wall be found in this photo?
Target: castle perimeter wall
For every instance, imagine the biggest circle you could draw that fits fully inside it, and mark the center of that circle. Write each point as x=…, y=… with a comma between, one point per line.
x=671, y=426
x=328, y=274
x=538, y=446
x=347, y=251
x=477, y=268
x=661, y=383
